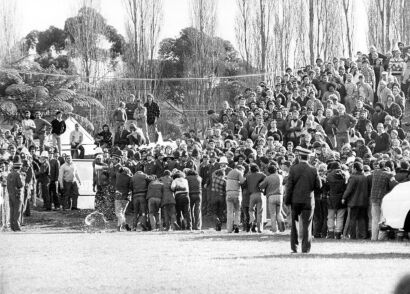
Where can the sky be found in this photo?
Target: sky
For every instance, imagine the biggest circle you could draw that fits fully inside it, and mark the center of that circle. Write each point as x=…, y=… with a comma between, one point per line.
x=40, y=14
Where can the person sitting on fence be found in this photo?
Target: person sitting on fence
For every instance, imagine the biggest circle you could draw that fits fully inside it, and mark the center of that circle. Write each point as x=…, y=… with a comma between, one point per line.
x=76, y=141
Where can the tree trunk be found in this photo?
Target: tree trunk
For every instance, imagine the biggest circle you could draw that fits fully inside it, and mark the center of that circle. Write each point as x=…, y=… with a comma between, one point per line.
x=311, y=28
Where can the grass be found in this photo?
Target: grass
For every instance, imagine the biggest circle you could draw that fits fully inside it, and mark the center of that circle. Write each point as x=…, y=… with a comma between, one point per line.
x=60, y=258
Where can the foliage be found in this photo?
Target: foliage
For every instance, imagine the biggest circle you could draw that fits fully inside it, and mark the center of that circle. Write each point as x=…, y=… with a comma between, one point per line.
x=42, y=41
x=46, y=93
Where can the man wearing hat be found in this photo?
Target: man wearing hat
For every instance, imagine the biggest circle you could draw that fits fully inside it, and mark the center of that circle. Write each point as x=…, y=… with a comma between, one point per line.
x=302, y=181
x=43, y=176
x=15, y=188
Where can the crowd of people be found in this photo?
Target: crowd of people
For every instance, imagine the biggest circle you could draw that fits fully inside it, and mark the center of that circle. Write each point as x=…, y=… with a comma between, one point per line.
x=322, y=145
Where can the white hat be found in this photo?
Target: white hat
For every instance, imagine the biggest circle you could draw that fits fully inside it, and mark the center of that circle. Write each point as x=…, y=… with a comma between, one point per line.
x=223, y=159
x=44, y=154
x=98, y=150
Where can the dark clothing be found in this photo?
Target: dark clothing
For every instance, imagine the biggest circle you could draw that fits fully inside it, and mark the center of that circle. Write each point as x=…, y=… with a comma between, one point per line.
x=336, y=185
x=382, y=143
x=106, y=138
x=58, y=127
x=70, y=195
x=153, y=112
x=140, y=183
x=357, y=191
x=183, y=208
x=382, y=182
x=357, y=223
x=129, y=109
x=121, y=138
x=302, y=181
x=253, y=180
x=304, y=213
x=74, y=150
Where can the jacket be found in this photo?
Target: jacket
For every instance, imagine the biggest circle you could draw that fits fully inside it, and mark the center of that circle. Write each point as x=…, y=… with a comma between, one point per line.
x=139, y=183
x=168, y=196
x=382, y=182
x=155, y=189
x=15, y=184
x=302, y=181
x=180, y=186
x=272, y=184
x=194, y=184
x=253, y=180
x=336, y=185
x=357, y=191
x=123, y=186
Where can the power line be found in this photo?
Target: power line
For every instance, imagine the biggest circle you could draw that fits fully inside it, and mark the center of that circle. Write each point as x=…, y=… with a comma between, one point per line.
x=137, y=79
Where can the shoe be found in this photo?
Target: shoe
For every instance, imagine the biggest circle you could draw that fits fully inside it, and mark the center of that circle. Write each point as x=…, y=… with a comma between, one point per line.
x=253, y=229
x=338, y=236
x=330, y=235
x=127, y=227
x=236, y=229
x=293, y=252
x=75, y=208
x=218, y=225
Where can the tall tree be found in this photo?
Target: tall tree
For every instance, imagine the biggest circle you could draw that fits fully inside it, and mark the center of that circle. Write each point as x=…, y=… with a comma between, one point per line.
x=311, y=31
x=8, y=30
x=243, y=30
x=348, y=9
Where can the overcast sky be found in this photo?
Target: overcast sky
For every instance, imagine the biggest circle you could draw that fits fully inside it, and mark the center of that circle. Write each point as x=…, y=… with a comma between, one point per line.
x=40, y=14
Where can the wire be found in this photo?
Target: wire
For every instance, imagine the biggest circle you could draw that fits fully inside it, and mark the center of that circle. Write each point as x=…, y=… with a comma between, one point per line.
x=137, y=79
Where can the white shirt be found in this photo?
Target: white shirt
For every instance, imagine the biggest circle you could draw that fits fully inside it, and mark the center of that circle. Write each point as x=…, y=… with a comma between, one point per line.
x=27, y=125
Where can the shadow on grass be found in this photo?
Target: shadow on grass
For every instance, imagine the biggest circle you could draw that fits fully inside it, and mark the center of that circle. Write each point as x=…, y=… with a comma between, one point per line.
x=343, y=255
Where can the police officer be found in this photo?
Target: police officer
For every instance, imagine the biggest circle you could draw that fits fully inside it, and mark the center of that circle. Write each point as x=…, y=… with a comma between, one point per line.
x=302, y=181
x=15, y=187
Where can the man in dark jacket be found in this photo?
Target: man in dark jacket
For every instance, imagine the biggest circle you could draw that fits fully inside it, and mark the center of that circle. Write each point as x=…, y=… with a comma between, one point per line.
x=153, y=113
x=54, y=172
x=335, y=185
x=58, y=127
x=302, y=181
x=356, y=196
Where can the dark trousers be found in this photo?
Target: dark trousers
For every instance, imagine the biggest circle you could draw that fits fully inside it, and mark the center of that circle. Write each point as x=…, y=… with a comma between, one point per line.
x=304, y=213
x=70, y=195
x=169, y=215
x=45, y=186
x=204, y=203
x=26, y=203
x=139, y=205
x=183, y=209
x=219, y=204
x=320, y=217
x=74, y=151
x=357, y=224
x=245, y=218
x=195, y=200
x=54, y=195
x=16, y=207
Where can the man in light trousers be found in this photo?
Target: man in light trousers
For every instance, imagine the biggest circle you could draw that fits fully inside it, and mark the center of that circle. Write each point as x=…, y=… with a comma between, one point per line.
x=234, y=181
x=273, y=186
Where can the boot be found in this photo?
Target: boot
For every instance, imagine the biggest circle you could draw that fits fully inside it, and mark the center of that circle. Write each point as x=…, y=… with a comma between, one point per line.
x=338, y=236
x=127, y=227
x=330, y=235
x=218, y=225
x=253, y=228
x=236, y=229
x=281, y=226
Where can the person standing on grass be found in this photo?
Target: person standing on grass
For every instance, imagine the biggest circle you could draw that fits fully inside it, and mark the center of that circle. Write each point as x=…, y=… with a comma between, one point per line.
x=253, y=179
x=154, y=198
x=273, y=187
x=356, y=196
x=54, y=172
x=234, y=180
x=123, y=188
x=58, y=127
x=302, y=181
x=15, y=189
x=168, y=202
x=43, y=176
x=382, y=182
x=69, y=180
x=195, y=197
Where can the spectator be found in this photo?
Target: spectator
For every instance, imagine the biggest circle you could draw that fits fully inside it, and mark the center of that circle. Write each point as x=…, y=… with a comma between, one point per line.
x=76, y=141
x=58, y=127
x=153, y=113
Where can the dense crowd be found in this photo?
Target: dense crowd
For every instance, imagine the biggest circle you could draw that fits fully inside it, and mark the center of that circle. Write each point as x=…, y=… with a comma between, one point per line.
x=342, y=117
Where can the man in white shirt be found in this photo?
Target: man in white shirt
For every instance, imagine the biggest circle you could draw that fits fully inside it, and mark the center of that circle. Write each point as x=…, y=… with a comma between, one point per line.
x=68, y=179
x=29, y=127
x=76, y=140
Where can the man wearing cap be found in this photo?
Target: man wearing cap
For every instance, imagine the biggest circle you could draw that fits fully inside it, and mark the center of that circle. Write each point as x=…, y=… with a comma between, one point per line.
x=29, y=127
x=68, y=178
x=43, y=176
x=302, y=181
x=15, y=189
x=58, y=127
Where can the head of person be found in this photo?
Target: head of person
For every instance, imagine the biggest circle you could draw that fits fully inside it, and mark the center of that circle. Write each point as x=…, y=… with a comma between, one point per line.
x=341, y=109
x=59, y=115
x=380, y=128
x=68, y=158
x=37, y=114
x=27, y=114
x=150, y=98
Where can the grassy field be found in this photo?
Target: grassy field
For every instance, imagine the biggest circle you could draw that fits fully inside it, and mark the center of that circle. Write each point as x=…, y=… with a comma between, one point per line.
x=58, y=257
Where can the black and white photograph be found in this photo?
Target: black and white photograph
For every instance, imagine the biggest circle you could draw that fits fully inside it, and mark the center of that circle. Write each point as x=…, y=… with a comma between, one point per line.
x=204, y=146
